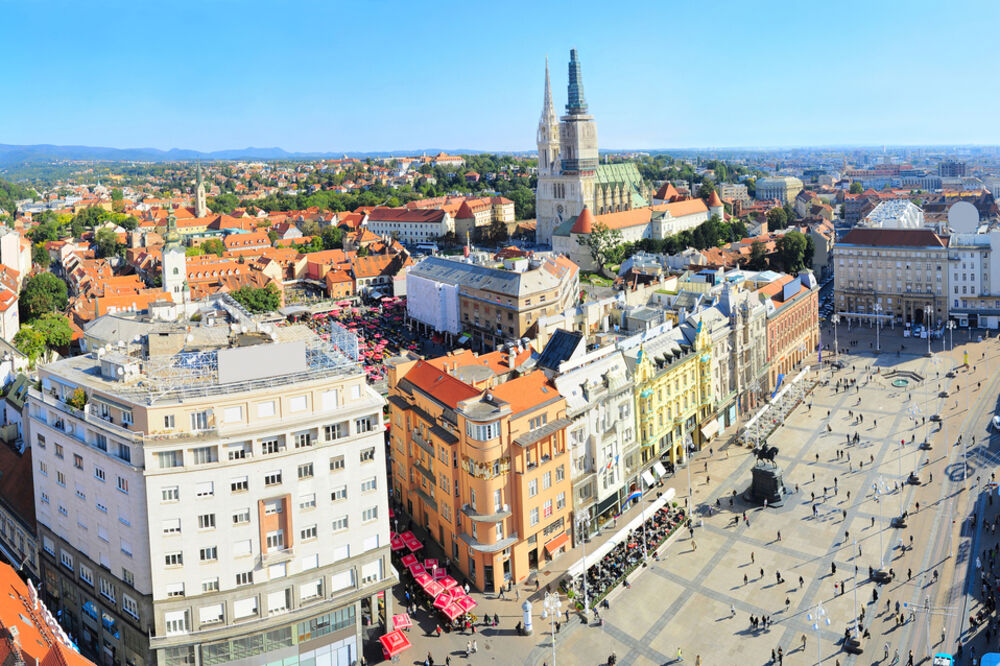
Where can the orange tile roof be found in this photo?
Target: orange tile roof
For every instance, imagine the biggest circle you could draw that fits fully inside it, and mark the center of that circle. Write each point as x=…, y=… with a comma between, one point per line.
x=526, y=392
x=438, y=384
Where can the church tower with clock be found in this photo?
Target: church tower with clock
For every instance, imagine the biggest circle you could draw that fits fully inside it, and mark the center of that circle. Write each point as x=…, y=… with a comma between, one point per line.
x=567, y=157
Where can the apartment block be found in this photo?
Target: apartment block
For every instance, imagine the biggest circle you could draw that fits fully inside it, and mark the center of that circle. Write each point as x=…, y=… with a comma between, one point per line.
x=213, y=495
x=479, y=460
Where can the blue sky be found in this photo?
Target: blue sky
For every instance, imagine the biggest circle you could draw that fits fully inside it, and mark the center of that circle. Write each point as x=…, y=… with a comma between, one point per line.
x=378, y=75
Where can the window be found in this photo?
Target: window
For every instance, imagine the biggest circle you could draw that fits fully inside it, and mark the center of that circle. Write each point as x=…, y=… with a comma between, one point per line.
x=86, y=575
x=561, y=501
x=275, y=540
x=172, y=526
x=371, y=572
x=533, y=519
x=208, y=554
x=242, y=548
x=61, y=479
x=59, y=451
x=265, y=409
x=303, y=440
x=241, y=517
x=43, y=468
x=174, y=559
x=335, y=431
x=369, y=514
x=308, y=533
x=123, y=485
x=210, y=614
x=277, y=602
x=101, y=441
x=311, y=590
x=205, y=454
x=244, y=578
x=368, y=485
x=77, y=461
x=336, y=463
x=199, y=420
x=205, y=489
x=62, y=510
x=306, y=471
x=168, y=421
x=130, y=606
x=272, y=507
x=206, y=521
x=244, y=608
x=126, y=417
x=307, y=502
x=537, y=422
x=238, y=451
x=168, y=459
x=269, y=446
x=546, y=480
x=66, y=559
x=368, y=455
x=342, y=580
x=240, y=484
x=482, y=432
x=298, y=404
x=338, y=494
x=102, y=508
x=124, y=452
x=45, y=498
x=499, y=530
x=340, y=524
x=560, y=473
x=547, y=509
x=210, y=585
x=99, y=474
x=176, y=622
x=175, y=589
x=128, y=577
x=532, y=487
x=170, y=494
x=41, y=441
x=232, y=414
x=365, y=424
x=107, y=589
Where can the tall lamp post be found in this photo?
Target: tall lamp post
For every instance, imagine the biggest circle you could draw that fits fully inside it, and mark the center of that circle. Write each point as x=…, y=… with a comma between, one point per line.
x=878, y=325
x=928, y=313
x=951, y=333
x=583, y=528
x=836, y=349
x=551, y=605
x=818, y=617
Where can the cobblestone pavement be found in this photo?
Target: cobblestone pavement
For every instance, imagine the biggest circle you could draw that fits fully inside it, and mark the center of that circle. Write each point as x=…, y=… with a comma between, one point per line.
x=686, y=599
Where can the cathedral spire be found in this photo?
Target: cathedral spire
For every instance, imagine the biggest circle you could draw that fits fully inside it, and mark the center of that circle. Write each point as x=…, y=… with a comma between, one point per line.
x=576, y=105
x=200, y=207
x=548, y=108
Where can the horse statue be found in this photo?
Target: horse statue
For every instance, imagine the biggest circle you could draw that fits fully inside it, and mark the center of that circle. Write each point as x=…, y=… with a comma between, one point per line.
x=765, y=452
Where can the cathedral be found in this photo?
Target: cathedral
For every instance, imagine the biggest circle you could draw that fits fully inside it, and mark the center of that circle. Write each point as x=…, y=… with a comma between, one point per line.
x=569, y=174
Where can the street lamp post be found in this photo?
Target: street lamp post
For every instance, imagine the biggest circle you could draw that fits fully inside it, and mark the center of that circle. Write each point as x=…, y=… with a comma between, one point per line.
x=951, y=333
x=836, y=349
x=551, y=604
x=928, y=313
x=881, y=526
x=878, y=325
x=818, y=617
x=583, y=526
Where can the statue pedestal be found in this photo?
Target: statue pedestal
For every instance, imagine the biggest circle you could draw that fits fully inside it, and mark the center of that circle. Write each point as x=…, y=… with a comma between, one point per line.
x=767, y=484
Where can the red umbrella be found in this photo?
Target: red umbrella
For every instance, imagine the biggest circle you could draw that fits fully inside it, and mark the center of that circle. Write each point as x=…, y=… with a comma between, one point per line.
x=397, y=544
x=448, y=582
x=422, y=578
x=401, y=621
x=430, y=563
x=442, y=602
x=409, y=559
x=433, y=588
x=393, y=643
x=466, y=603
x=452, y=611
x=417, y=569
x=413, y=544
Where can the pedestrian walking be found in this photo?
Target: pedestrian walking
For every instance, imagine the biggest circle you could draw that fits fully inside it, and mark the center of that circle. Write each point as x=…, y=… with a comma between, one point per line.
x=732, y=610
x=475, y=646
x=751, y=557
x=803, y=641
x=680, y=655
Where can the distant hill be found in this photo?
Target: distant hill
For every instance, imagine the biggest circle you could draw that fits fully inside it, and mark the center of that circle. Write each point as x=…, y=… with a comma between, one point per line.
x=12, y=154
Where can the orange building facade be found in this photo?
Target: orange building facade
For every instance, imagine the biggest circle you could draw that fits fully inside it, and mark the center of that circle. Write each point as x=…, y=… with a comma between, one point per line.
x=792, y=324
x=479, y=460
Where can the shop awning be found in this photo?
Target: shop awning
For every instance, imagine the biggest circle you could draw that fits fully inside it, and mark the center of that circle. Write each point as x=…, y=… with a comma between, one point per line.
x=647, y=476
x=659, y=469
x=393, y=643
x=557, y=543
x=710, y=429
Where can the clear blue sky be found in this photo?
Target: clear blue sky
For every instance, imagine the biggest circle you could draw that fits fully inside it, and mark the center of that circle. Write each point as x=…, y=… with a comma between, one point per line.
x=377, y=75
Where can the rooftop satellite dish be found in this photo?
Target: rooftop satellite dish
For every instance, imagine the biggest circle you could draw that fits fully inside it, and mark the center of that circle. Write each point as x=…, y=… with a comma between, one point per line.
x=963, y=218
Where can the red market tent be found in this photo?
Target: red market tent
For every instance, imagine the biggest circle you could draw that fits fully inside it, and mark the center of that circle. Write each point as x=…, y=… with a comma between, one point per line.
x=409, y=559
x=448, y=582
x=433, y=588
x=401, y=621
x=430, y=563
x=442, y=602
x=417, y=568
x=452, y=611
x=422, y=579
x=394, y=643
x=466, y=604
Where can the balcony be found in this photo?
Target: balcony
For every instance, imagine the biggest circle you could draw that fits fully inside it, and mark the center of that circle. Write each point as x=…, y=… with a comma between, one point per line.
x=421, y=442
x=275, y=556
x=486, y=517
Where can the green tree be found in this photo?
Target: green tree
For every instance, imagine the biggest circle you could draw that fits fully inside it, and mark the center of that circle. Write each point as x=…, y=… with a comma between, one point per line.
x=856, y=187
x=40, y=294
x=790, y=251
x=213, y=246
x=56, y=330
x=91, y=217
x=258, y=299
x=107, y=242
x=272, y=235
x=194, y=251
x=758, y=257
x=363, y=251
x=776, y=219
x=810, y=250
x=224, y=203
x=333, y=238
x=30, y=342
x=117, y=200
x=603, y=243
x=40, y=256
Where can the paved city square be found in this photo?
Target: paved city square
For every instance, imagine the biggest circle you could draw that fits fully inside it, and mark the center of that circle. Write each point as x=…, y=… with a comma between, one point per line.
x=701, y=593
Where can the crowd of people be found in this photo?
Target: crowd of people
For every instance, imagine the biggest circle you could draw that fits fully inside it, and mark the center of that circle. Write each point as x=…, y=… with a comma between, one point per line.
x=614, y=567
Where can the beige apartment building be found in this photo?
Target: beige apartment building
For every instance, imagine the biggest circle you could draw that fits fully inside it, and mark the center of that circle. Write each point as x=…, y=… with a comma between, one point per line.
x=213, y=495
x=782, y=188
x=903, y=271
x=479, y=461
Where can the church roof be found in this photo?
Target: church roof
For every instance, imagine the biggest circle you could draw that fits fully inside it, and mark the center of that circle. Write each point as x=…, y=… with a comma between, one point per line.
x=584, y=222
x=625, y=174
x=667, y=191
x=464, y=211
